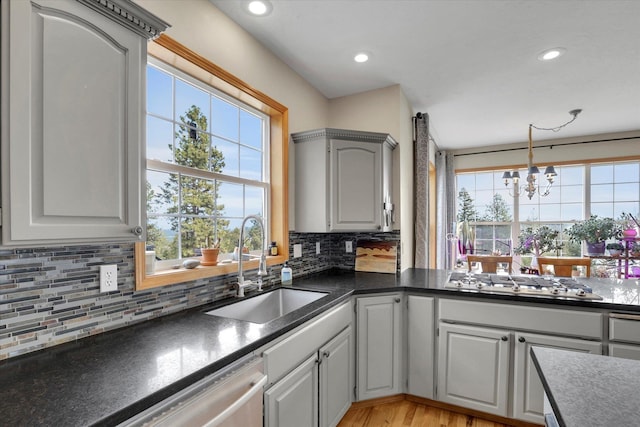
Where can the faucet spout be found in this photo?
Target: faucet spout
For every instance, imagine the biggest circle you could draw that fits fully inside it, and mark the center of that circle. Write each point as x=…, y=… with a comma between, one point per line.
x=262, y=266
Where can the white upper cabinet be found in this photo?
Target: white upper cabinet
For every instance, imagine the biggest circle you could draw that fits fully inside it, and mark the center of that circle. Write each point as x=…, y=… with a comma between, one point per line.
x=343, y=180
x=73, y=131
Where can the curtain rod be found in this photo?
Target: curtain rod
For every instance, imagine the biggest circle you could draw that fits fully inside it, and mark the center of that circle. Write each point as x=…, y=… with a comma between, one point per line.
x=546, y=146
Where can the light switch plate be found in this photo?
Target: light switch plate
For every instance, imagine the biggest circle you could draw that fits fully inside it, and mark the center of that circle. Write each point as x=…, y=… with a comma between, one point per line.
x=297, y=250
x=317, y=248
x=348, y=246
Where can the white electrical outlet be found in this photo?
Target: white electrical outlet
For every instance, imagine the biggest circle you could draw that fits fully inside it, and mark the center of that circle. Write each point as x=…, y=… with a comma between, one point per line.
x=297, y=250
x=317, y=248
x=348, y=246
x=108, y=278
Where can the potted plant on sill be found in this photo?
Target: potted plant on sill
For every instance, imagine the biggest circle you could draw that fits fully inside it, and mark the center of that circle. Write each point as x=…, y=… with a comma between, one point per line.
x=615, y=248
x=594, y=231
x=537, y=241
x=627, y=225
x=210, y=253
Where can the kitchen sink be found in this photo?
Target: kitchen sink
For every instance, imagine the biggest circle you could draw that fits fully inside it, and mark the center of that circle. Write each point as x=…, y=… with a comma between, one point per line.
x=268, y=306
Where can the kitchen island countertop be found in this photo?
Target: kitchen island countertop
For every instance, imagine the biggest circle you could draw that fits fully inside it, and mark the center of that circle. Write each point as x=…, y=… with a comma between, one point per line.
x=589, y=390
x=107, y=378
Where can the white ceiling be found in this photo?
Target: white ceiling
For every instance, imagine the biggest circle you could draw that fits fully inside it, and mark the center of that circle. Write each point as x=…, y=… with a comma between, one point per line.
x=470, y=64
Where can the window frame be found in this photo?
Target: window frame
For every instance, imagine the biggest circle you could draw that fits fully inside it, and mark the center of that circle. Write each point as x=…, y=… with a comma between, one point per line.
x=517, y=223
x=186, y=61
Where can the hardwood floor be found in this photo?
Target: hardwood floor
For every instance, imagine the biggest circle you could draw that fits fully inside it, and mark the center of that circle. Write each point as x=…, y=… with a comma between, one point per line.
x=405, y=413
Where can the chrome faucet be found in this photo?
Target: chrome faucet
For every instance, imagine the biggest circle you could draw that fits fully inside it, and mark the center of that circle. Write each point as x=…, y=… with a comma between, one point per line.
x=262, y=267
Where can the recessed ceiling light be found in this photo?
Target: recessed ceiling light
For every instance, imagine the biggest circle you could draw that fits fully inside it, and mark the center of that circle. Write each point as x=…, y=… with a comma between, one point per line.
x=361, y=57
x=550, y=54
x=259, y=7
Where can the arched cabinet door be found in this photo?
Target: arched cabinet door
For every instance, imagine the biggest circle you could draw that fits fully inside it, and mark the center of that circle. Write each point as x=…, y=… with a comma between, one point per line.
x=73, y=125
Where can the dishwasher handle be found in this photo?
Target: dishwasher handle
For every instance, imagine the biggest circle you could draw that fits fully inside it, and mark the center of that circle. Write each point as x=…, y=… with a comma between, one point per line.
x=224, y=415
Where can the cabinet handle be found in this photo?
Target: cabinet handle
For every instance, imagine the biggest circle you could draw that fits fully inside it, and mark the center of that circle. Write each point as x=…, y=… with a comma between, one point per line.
x=521, y=339
x=504, y=338
x=326, y=354
x=397, y=300
x=137, y=231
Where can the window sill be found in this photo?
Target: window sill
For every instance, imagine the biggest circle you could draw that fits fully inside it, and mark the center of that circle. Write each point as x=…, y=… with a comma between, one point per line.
x=180, y=275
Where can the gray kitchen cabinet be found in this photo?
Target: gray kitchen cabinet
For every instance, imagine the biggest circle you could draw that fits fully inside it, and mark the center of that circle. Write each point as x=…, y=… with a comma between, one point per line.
x=73, y=138
x=379, y=345
x=324, y=387
x=336, y=370
x=528, y=402
x=473, y=367
x=481, y=343
x=343, y=180
x=624, y=335
x=420, y=346
x=293, y=401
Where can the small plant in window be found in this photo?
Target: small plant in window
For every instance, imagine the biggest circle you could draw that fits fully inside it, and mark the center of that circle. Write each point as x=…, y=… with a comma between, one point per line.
x=537, y=241
x=615, y=248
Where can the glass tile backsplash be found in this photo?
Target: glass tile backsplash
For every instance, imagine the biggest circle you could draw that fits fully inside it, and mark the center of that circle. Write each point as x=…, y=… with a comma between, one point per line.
x=49, y=296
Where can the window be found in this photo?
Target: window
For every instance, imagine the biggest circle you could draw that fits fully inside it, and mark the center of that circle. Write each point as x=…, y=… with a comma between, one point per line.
x=206, y=166
x=211, y=160
x=603, y=188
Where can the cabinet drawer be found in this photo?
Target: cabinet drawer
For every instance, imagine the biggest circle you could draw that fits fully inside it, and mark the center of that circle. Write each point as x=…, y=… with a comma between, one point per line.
x=522, y=317
x=625, y=351
x=289, y=353
x=625, y=329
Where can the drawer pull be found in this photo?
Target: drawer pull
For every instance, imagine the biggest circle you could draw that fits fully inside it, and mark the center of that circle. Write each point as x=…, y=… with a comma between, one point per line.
x=504, y=338
x=521, y=339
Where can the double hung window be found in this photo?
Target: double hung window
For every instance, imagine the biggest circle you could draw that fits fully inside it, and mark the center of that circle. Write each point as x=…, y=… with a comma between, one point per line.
x=207, y=167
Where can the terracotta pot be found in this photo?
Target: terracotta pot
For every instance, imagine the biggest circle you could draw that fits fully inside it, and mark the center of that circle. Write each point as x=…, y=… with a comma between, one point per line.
x=210, y=256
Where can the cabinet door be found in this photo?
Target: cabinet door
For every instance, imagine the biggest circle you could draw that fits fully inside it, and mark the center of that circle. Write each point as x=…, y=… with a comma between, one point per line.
x=625, y=351
x=379, y=346
x=73, y=151
x=293, y=401
x=420, y=346
x=336, y=378
x=473, y=367
x=356, y=185
x=528, y=401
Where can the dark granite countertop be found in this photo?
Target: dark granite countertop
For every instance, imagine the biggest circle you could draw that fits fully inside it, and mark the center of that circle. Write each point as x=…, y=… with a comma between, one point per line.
x=588, y=390
x=107, y=378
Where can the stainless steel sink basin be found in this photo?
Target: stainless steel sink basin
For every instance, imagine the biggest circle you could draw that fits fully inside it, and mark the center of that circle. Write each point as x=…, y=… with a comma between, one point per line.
x=268, y=306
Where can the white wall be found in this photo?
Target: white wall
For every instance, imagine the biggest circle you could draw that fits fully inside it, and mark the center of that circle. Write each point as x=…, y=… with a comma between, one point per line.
x=608, y=148
x=201, y=27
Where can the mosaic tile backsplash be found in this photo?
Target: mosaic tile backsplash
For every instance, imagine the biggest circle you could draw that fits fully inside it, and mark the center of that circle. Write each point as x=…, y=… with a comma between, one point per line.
x=49, y=296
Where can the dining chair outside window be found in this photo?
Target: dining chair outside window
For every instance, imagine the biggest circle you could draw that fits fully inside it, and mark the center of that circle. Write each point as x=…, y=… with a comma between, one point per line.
x=489, y=263
x=563, y=267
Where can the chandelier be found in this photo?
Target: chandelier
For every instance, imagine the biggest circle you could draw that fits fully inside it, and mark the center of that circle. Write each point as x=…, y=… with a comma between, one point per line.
x=532, y=186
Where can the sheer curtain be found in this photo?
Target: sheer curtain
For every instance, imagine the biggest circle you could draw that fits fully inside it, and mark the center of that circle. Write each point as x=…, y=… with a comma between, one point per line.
x=421, y=189
x=445, y=226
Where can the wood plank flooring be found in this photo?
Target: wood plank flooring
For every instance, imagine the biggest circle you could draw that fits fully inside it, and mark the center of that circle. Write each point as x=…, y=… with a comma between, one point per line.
x=405, y=413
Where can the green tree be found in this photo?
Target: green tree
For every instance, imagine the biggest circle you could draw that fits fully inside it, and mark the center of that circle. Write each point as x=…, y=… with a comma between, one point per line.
x=466, y=209
x=199, y=206
x=498, y=210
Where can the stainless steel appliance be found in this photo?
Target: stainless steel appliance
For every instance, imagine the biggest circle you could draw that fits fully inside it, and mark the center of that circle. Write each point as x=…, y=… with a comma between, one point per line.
x=230, y=398
x=548, y=287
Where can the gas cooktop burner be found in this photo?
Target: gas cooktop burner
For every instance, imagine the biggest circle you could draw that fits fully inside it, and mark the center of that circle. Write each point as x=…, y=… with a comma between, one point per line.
x=523, y=285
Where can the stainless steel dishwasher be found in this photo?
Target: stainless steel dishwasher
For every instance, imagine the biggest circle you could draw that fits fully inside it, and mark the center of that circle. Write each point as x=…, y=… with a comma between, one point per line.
x=231, y=397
